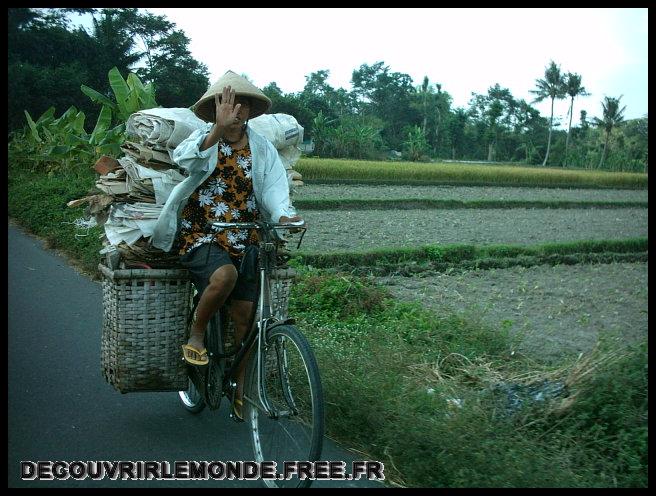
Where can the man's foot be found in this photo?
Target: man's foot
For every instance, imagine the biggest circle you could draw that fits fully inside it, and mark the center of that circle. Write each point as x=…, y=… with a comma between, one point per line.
x=194, y=356
x=194, y=351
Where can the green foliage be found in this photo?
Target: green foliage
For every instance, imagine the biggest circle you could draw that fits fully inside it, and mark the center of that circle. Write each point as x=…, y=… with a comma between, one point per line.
x=415, y=146
x=445, y=258
x=130, y=96
x=399, y=362
x=49, y=61
x=341, y=297
x=613, y=116
x=347, y=136
x=388, y=96
x=552, y=86
x=38, y=202
x=610, y=418
x=52, y=144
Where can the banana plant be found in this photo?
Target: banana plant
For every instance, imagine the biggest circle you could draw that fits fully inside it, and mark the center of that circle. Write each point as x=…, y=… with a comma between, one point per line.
x=53, y=144
x=415, y=146
x=131, y=95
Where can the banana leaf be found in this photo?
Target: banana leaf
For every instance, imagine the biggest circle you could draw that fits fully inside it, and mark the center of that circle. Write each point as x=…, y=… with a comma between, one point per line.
x=113, y=149
x=65, y=117
x=78, y=123
x=58, y=151
x=102, y=125
x=30, y=122
x=46, y=117
x=147, y=97
x=74, y=140
x=145, y=93
x=135, y=88
x=98, y=97
x=121, y=92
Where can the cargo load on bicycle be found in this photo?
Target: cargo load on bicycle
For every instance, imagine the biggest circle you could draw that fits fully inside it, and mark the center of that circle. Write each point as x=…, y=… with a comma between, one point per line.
x=182, y=188
x=146, y=293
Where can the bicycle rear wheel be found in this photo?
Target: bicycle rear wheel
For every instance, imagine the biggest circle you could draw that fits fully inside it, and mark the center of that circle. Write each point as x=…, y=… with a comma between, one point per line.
x=293, y=388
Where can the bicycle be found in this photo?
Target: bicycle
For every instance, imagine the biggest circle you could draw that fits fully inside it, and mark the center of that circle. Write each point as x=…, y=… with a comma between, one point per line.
x=282, y=396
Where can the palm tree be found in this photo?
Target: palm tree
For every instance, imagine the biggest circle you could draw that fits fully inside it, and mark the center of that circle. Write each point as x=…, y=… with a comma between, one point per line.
x=612, y=117
x=573, y=88
x=551, y=86
x=424, y=92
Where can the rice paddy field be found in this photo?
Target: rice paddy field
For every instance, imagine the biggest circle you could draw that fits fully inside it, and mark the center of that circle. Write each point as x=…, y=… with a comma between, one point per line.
x=336, y=170
x=552, y=263
x=560, y=309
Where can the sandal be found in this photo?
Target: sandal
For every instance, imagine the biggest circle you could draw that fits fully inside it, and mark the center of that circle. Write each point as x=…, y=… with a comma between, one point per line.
x=194, y=355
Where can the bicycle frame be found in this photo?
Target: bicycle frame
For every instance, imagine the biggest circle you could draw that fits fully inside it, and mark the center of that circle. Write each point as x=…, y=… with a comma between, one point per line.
x=267, y=252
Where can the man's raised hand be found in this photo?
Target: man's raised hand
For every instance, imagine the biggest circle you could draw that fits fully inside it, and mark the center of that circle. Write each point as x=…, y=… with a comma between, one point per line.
x=226, y=110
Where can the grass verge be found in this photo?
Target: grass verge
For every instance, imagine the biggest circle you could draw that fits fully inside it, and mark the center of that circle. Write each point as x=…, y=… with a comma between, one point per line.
x=417, y=392
x=38, y=203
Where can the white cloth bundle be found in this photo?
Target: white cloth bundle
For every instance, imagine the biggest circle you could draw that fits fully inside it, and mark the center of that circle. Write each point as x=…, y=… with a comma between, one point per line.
x=280, y=129
x=163, y=128
x=130, y=221
x=284, y=132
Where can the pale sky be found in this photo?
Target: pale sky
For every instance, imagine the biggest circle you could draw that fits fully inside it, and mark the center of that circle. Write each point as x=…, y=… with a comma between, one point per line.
x=465, y=50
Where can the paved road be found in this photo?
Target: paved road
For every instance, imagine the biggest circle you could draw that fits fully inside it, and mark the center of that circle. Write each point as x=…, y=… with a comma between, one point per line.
x=61, y=408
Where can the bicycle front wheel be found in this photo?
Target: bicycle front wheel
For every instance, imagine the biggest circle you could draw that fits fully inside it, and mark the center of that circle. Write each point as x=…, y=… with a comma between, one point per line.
x=192, y=399
x=292, y=386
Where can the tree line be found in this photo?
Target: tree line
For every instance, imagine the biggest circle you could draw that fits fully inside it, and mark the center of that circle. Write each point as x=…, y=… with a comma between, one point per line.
x=49, y=61
x=385, y=113
x=383, y=116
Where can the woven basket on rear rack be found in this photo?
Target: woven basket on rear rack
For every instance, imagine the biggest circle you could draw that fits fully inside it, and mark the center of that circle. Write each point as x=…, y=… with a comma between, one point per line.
x=282, y=279
x=145, y=315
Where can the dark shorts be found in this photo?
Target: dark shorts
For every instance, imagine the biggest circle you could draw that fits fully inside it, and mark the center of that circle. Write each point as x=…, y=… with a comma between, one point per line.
x=204, y=260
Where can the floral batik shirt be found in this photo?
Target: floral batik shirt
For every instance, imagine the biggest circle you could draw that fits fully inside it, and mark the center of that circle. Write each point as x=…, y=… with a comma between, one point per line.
x=226, y=196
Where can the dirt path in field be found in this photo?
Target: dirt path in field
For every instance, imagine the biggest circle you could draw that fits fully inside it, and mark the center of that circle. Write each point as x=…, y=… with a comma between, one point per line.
x=558, y=310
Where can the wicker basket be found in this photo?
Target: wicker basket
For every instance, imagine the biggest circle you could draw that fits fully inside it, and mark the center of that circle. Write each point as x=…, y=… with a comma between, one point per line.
x=144, y=322
x=281, y=286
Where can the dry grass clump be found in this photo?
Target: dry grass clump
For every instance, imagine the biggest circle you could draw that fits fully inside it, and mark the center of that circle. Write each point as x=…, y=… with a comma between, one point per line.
x=455, y=372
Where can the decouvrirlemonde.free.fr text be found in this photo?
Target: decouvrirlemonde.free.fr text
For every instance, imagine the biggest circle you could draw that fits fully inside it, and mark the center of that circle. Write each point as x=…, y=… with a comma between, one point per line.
x=195, y=470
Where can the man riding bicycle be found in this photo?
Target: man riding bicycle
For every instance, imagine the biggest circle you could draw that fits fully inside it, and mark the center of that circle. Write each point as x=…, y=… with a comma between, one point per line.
x=234, y=175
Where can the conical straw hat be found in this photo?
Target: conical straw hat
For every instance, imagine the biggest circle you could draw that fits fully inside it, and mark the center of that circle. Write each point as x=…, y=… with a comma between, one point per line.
x=260, y=103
